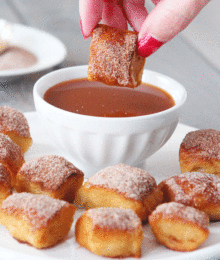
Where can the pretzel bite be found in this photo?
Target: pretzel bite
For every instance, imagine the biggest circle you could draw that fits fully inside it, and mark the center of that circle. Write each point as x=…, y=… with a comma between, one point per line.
x=199, y=190
x=110, y=232
x=5, y=182
x=113, y=57
x=14, y=124
x=179, y=227
x=10, y=156
x=200, y=151
x=50, y=175
x=36, y=219
x=121, y=186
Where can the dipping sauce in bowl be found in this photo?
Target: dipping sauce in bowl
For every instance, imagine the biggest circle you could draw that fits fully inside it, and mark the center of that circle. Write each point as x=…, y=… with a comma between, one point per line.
x=93, y=141
x=97, y=99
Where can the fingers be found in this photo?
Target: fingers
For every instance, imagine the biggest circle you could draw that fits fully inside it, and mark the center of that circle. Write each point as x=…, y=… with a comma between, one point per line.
x=166, y=20
x=93, y=11
x=90, y=14
x=136, y=13
x=112, y=14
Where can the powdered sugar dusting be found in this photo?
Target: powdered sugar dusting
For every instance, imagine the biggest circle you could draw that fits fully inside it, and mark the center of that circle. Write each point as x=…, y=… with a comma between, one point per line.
x=114, y=218
x=194, y=188
x=12, y=120
x=111, y=55
x=49, y=170
x=205, y=143
x=37, y=209
x=133, y=182
x=186, y=213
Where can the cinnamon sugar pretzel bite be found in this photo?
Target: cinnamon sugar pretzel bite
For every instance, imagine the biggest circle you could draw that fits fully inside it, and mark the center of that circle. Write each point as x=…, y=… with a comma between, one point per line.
x=121, y=186
x=113, y=57
x=50, y=175
x=179, y=227
x=10, y=156
x=5, y=182
x=110, y=232
x=196, y=189
x=14, y=124
x=36, y=219
x=200, y=151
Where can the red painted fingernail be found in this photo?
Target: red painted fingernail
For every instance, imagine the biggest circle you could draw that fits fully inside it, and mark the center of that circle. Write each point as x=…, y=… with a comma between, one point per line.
x=148, y=45
x=81, y=27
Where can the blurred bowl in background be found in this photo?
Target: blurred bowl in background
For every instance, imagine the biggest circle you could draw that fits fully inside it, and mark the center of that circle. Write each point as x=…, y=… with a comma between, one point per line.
x=93, y=143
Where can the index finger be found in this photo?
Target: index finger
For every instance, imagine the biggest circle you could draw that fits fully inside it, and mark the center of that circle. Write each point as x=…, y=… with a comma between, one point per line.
x=136, y=13
x=90, y=14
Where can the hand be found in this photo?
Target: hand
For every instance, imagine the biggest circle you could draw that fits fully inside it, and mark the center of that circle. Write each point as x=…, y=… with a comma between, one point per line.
x=165, y=21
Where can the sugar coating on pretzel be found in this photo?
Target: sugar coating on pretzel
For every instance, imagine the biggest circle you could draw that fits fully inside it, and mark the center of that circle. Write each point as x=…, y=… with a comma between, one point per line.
x=13, y=120
x=5, y=176
x=38, y=209
x=113, y=57
x=51, y=175
x=10, y=155
x=14, y=124
x=114, y=218
x=196, y=189
x=204, y=142
x=36, y=219
x=179, y=227
x=111, y=232
x=133, y=182
x=5, y=182
x=200, y=151
x=186, y=213
x=121, y=186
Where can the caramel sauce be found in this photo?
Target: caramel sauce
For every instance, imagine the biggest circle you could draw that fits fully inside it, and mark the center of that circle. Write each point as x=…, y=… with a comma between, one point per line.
x=16, y=58
x=97, y=99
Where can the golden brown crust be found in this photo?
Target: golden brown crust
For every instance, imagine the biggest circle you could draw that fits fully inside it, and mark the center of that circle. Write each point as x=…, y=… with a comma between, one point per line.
x=10, y=156
x=5, y=182
x=121, y=186
x=50, y=175
x=200, y=151
x=36, y=219
x=14, y=124
x=179, y=227
x=110, y=232
x=113, y=57
x=199, y=190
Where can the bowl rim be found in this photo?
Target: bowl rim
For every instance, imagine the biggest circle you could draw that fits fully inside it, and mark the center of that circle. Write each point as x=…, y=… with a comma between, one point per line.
x=38, y=96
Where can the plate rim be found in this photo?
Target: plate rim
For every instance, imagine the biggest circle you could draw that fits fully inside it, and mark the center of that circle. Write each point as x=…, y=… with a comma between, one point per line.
x=34, y=69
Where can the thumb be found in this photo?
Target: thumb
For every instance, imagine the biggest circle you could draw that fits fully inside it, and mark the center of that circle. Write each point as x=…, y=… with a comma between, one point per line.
x=166, y=20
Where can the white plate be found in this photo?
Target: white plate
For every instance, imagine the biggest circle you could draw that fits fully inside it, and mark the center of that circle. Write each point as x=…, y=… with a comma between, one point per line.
x=161, y=165
x=48, y=50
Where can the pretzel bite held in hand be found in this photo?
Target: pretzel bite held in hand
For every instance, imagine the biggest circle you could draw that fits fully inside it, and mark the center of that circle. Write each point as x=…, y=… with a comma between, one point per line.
x=14, y=124
x=196, y=189
x=121, y=186
x=200, y=151
x=114, y=59
x=110, y=232
x=179, y=227
x=10, y=156
x=50, y=175
x=36, y=219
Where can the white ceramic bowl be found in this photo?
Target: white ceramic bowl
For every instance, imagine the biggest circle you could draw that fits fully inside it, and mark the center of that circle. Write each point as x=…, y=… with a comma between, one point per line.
x=92, y=142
